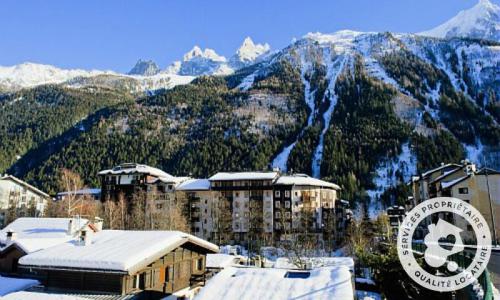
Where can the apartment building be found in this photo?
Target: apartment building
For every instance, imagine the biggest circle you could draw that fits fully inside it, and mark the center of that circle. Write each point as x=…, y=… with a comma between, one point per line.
x=480, y=188
x=28, y=200
x=249, y=197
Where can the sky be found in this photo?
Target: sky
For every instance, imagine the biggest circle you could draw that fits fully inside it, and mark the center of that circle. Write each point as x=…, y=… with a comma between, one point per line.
x=114, y=34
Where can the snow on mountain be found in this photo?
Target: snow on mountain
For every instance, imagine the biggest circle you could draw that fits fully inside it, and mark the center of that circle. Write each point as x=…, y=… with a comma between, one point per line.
x=145, y=68
x=208, y=54
x=248, y=53
x=31, y=74
x=198, y=62
x=481, y=21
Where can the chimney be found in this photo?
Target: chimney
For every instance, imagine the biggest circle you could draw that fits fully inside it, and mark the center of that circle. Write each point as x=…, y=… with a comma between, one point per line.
x=98, y=222
x=85, y=237
x=11, y=236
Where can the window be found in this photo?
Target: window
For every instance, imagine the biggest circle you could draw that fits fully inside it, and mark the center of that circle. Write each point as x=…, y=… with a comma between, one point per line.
x=159, y=206
x=277, y=204
x=287, y=204
x=237, y=194
x=463, y=190
x=267, y=193
x=287, y=215
x=276, y=193
x=287, y=194
x=297, y=194
x=278, y=215
x=246, y=194
x=199, y=264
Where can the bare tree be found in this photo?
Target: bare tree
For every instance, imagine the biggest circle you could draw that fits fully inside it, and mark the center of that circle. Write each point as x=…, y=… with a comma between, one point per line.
x=71, y=182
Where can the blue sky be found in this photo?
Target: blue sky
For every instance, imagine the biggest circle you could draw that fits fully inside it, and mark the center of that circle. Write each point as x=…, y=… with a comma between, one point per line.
x=113, y=34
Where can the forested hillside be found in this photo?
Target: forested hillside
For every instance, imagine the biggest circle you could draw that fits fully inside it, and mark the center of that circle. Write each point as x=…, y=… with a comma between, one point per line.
x=366, y=111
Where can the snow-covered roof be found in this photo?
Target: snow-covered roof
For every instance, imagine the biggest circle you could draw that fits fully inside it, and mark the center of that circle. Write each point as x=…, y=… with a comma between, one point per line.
x=26, y=185
x=34, y=234
x=317, y=262
x=439, y=168
x=114, y=250
x=451, y=183
x=304, y=180
x=267, y=283
x=221, y=261
x=194, y=185
x=80, y=192
x=445, y=174
x=131, y=168
x=10, y=285
x=226, y=176
x=49, y=296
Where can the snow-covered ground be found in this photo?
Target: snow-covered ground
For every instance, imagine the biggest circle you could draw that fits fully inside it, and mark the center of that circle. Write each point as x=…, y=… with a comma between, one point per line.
x=10, y=285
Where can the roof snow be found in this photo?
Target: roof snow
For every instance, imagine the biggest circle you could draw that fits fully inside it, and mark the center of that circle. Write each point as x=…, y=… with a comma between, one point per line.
x=317, y=262
x=138, y=169
x=221, y=261
x=439, y=168
x=194, y=185
x=34, y=234
x=480, y=21
x=80, y=192
x=114, y=250
x=47, y=296
x=263, y=283
x=10, y=285
x=304, y=180
x=451, y=183
x=226, y=176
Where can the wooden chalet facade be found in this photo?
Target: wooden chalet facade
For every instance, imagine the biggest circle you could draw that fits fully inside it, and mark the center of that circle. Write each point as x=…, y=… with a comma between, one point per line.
x=180, y=265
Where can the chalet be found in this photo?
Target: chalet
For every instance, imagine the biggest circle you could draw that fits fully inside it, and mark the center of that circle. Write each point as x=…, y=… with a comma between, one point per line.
x=19, y=194
x=28, y=235
x=122, y=263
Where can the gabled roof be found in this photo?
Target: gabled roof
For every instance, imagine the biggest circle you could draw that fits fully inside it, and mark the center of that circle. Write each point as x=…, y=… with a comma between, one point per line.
x=429, y=172
x=448, y=184
x=304, y=180
x=194, y=185
x=114, y=251
x=34, y=234
x=228, y=176
x=26, y=185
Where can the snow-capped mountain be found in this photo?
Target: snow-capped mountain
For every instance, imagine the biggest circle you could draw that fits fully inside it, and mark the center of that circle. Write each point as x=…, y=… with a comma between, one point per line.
x=248, y=53
x=145, y=68
x=200, y=62
x=29, y=75
x=481, y=21
x=207, y=62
